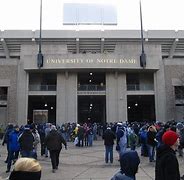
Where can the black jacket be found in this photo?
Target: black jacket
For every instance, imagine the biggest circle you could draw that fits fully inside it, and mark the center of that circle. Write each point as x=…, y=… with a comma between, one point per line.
x=167, y=167
x=151, y=138
x=54, y=140
x=109, y=137
x=23, y=175
x=26, y=140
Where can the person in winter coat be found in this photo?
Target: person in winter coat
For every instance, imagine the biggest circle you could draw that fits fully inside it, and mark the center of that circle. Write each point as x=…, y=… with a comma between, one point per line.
x=36, y=142
x=129, y=162
x=26, y=140
x=143, y=141
x=26, y=169
x=132, y=139
x=151, y=142
x=109, y=138
x=80, y=135
x=54, y=141
x=8, y=131
x=121, y=139
x=160, y=133
x=180, y=131
x=167, y=167
x=14, y=147
x=47, y=130
x=41, y=132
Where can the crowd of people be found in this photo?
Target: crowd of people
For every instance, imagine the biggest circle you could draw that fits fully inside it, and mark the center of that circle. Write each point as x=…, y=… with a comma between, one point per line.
x=159, y=142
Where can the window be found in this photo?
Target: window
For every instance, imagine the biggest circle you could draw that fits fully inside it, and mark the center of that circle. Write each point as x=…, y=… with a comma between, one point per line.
x=179, y=92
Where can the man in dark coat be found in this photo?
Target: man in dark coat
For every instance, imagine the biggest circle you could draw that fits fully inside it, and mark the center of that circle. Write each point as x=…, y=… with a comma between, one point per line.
x=109, y=137
x=26, y=140
x=54, y=141
x=167, y=167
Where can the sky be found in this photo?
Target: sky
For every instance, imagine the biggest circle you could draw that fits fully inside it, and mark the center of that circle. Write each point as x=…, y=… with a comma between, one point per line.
x=157, y=14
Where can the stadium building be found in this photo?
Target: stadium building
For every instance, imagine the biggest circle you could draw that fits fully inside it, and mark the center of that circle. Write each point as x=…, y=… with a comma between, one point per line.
x=92, y=76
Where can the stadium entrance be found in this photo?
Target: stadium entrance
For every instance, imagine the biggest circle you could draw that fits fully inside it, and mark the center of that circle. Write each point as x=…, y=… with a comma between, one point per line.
x=42, y=109
x=141, y=108
x=91, y=109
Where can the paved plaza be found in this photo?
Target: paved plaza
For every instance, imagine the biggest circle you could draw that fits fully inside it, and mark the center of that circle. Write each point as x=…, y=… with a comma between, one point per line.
x=87, y=163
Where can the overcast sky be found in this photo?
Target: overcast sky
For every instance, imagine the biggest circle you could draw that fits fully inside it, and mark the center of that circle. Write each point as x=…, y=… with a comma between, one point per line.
x=157, y=14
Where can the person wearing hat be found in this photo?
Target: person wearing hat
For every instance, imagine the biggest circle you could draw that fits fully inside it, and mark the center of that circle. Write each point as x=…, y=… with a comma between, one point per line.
x=167, y=167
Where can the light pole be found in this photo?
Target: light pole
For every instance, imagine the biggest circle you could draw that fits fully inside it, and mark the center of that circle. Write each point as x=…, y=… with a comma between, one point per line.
x=143, y=55
x=40, y=55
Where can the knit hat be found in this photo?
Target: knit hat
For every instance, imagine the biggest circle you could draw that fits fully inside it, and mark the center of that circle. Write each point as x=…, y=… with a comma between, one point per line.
x=170, y=137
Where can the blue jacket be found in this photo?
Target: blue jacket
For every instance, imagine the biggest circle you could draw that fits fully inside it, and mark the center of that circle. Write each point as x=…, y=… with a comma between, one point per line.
x=13, y=141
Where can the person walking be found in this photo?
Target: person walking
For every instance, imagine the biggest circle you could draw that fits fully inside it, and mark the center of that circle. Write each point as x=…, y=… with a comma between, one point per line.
x=14, y=147
x=47, y=130
x=109, y=138
x=36, y=141
x=54, y=141
x=26, y=140
x=8, y=131
x=167, y=167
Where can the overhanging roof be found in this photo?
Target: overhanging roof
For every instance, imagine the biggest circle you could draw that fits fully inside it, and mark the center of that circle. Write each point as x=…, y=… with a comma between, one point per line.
x=94, y=41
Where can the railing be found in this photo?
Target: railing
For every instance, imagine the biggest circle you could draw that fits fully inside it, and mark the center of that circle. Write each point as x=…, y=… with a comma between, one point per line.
x=179, y=101
x=91, y=88
x=179, y=96
x=42, y=87
x=3, y=97
x=138, y=87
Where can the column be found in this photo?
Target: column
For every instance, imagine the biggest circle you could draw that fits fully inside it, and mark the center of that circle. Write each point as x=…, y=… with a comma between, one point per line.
x=111, y=98
x=160, y=96
x=22, y=95
x=60, y=99
x=66, y=98
x=122, y=97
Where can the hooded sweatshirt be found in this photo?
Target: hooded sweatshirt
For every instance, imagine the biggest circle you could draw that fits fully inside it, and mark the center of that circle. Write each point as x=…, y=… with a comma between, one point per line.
x=129, y=162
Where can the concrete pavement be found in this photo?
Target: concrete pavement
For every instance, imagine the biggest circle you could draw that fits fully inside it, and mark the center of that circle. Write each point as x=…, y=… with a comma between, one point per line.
x=86, y=163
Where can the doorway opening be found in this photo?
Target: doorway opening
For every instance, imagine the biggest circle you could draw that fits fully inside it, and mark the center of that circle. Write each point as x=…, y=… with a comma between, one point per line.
x=141, y=108
x=42, y=109
x=91, y=109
